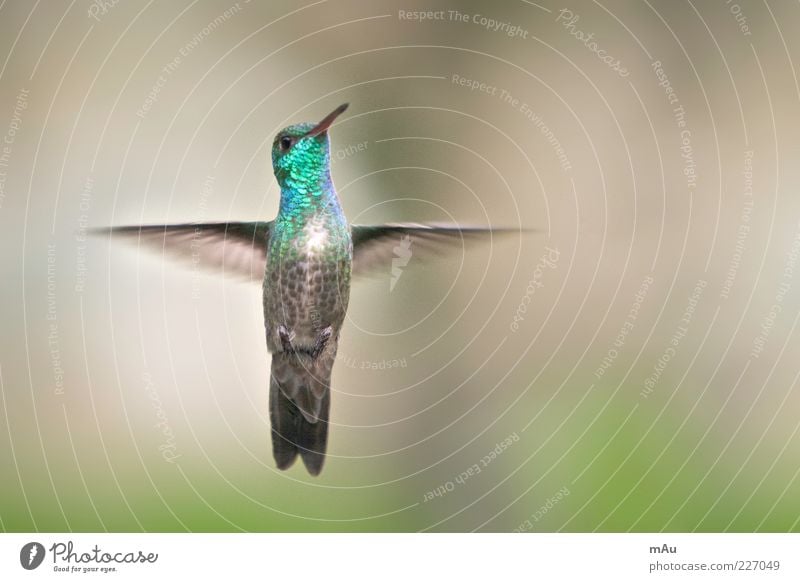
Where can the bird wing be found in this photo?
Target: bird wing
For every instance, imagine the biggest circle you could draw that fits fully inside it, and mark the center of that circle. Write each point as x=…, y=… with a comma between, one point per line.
x=378, y=246
x=240, y=248
x=234, y=248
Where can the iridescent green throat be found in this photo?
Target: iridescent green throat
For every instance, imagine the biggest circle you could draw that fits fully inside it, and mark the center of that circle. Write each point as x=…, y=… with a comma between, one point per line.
x=303, y=173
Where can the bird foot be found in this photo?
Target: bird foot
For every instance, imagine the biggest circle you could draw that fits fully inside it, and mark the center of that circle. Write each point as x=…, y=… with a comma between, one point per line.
x=286, y=338
x=322, y=341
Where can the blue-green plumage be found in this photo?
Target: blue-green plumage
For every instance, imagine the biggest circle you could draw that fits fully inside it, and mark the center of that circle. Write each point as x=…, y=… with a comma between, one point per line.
x=304, y=259
x=306, y=292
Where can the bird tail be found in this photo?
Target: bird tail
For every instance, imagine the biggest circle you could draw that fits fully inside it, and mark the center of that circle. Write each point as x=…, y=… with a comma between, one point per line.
x=299, y=405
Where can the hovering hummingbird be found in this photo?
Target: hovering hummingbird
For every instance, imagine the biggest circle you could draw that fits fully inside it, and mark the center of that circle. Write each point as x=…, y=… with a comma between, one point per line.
x=305, y=259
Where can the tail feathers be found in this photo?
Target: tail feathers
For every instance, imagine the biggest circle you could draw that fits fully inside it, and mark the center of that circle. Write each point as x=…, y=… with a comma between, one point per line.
x=295, y=432
x=313, y=439
x=283, y=416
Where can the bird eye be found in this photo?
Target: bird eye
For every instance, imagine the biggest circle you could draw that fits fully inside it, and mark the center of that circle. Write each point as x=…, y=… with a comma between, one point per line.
x=285, y=143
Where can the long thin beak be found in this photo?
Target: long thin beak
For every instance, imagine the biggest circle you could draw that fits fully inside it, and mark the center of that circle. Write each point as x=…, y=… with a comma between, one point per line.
x=323, y=125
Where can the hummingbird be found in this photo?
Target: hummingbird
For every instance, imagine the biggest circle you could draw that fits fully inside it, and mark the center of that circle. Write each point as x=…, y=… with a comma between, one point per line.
x=305, y=259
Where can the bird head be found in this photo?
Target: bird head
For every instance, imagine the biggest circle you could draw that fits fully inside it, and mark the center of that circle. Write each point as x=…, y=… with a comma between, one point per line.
x=301, y=154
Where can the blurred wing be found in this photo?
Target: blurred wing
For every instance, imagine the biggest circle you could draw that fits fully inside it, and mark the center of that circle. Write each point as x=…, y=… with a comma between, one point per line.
x=379, y=246
x=231, y=248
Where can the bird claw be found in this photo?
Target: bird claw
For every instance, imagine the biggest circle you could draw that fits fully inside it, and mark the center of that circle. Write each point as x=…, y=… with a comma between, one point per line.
x=286, y=338
x=322, y=341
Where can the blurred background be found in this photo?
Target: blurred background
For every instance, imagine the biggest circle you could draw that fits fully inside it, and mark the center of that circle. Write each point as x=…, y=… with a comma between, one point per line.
x=628, y=366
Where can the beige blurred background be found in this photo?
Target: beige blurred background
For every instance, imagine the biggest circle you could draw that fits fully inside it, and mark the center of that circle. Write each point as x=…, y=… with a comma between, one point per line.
x=631, y=365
